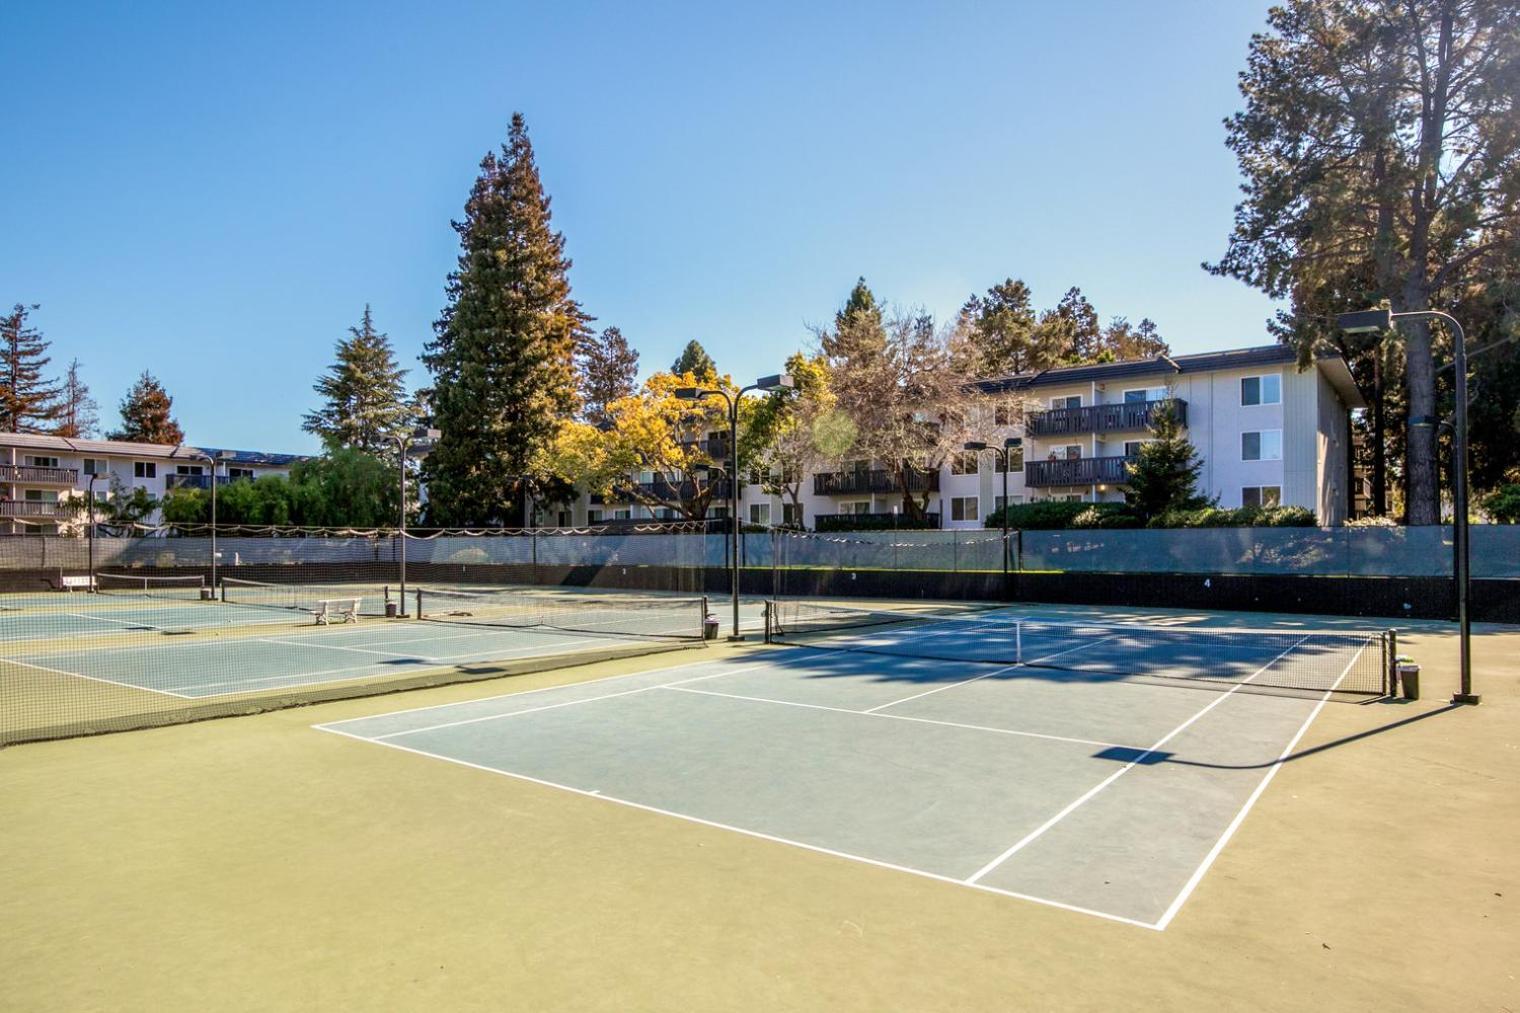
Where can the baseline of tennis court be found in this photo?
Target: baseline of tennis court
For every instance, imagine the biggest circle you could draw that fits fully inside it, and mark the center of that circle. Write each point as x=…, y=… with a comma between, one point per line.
x=1101, y=796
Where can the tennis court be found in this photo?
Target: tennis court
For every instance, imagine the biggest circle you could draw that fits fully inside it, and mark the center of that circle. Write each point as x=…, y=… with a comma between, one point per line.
x=1060, y=785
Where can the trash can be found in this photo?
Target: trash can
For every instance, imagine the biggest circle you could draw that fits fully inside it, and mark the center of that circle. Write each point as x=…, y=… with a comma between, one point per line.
x=208, y=594
x=1409, y=679
x=390, y=610
x=709, y=627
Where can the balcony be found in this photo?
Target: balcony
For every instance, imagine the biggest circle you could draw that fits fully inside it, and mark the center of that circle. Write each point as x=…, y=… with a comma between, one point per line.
x=31, y=475
x=855, y=483
x=1075, y=471
x=668, y=491
x=1128, y=416
x=31, y=509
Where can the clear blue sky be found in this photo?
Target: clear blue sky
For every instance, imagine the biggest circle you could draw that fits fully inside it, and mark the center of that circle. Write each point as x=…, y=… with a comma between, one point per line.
x=214, y=192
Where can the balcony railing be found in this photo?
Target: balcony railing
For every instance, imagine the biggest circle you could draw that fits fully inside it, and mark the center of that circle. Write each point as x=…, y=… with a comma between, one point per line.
x=38, y=476
x=1075, y=471
x=853, y=483
x=669, y=491
x=1128, y=416
x=32, y=508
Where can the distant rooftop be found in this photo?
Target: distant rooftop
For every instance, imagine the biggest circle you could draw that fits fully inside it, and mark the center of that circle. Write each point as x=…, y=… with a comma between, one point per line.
x=124, y=448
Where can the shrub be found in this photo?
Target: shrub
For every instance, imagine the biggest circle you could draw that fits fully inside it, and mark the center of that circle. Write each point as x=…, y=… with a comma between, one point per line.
x=1042, y=516
x=1108, y=515
x=1240, y=517
x=1503, y=504
x=1372, y=521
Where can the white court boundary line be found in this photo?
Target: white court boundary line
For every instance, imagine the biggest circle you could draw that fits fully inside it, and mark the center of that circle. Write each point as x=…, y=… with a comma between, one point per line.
x=1229, y=832
x=676, y=688
x=985, y=675
x=760, y=835
x=1092, y=792
x=556, y=706
x=97, y=678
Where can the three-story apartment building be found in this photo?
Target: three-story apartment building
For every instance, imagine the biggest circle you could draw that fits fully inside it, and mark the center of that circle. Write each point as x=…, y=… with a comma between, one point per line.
x=1268, y=433
x=38, y=474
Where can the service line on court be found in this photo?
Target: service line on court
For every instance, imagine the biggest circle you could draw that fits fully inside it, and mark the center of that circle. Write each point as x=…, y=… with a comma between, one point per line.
x=675, y=688
x=1092, y=792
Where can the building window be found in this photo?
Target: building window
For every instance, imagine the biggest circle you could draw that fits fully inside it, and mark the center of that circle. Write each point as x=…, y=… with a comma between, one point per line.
x=1074, y=401
x=862, y=506
x=1144, y=394
x=593, y=517
x=964, y=463
x=102, y=495
x=963, y=508
x=188, y=469
x=1132, y=447
x=40, y=496
x=145, y=469
x=42, y=462
x=1261, y=496
x=1070, y=452
x=94, y=466
x=235, y=473
x=1265, y=445
x=625, y=514
x=791, y=514
x=1256, y=390
x=760, y=513
x=1015, y=500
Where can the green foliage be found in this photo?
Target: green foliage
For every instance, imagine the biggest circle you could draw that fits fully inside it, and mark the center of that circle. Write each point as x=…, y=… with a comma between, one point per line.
x=343, y=488
x=1045, y=515
x=78, y=413
x=1108, y=515
x=502, y=355
x=1165, y=474
x=859, y=333
x=363, y=392
x=1240, y=517
x=695, y=360
x=28, y=403
x=871, y=522
x=146, y=414
x=607, y=369
x=1503, y=504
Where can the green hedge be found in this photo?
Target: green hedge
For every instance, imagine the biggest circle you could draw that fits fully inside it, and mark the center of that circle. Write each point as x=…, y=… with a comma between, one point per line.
x=1503, y=504
x=1053, y=515
x=871, y=522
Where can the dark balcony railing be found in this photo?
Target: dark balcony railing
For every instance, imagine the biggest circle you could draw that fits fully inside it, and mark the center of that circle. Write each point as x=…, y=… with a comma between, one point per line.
x=40, y=476
x=873, y=522
x=666, y=490
x=1075, y=471
x=852, y=483
x=1128, y=416
x=28, y=508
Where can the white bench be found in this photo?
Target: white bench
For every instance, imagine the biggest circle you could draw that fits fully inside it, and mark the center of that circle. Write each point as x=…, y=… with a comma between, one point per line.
x=72, y=584
x=343, y=610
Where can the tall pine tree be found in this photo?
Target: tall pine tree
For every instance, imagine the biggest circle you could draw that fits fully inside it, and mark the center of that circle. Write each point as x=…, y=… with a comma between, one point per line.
x=363, y=392
x=28, y=402
x=695, y=360
x=859, y=331
x=1164, y=476
x=606, y=369
x=78, y=414
x=146, y=414
x=501, y=358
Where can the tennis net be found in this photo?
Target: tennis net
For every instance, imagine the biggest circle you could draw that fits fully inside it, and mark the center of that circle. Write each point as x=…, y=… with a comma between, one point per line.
x=180, y=588
x=303, y=597
x=1342, y=661
x=620, y=615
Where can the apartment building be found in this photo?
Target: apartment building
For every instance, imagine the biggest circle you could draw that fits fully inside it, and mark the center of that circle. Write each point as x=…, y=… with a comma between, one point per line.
x=38, y=474
x=1268, y=433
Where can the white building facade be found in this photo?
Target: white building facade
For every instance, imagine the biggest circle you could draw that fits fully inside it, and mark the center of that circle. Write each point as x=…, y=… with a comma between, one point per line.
x=1267, y=432
x=39, y=474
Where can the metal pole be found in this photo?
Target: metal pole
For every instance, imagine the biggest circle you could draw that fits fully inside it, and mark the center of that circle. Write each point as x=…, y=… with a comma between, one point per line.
x=213, y=526
x=733, y=508
x=1459, y=532
x=90, y=506
x=1005, y=518
x=401, y=445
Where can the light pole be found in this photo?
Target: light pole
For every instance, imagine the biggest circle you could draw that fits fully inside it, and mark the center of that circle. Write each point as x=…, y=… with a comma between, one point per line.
x=420, y=438
x=1004, y=453
x=89, y=494
x=778, y=381
x=1377, y=321
x=220, y=455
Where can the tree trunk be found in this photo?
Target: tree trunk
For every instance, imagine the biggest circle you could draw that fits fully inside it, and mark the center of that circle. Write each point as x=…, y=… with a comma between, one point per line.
x=1379, y=439
x=1421, y=502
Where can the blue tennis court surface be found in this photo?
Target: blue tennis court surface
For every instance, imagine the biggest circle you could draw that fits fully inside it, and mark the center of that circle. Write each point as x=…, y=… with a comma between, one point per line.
x=1102, y=796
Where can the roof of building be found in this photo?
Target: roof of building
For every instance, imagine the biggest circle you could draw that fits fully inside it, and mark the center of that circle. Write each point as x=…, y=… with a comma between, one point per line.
x=1333, y=366
x=125, y=448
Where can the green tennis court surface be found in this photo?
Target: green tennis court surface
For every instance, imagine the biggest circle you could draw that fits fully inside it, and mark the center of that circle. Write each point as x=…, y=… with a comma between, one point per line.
x=1093, y=793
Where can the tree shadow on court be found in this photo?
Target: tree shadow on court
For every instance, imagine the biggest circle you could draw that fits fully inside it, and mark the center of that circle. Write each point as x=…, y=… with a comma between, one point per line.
x=1149, y=758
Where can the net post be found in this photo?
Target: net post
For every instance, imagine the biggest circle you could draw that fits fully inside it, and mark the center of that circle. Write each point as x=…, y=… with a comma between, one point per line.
x=1391, y=671
x=419, y=605
x=702, y=620
x=1018, y=641
x=770, y=607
